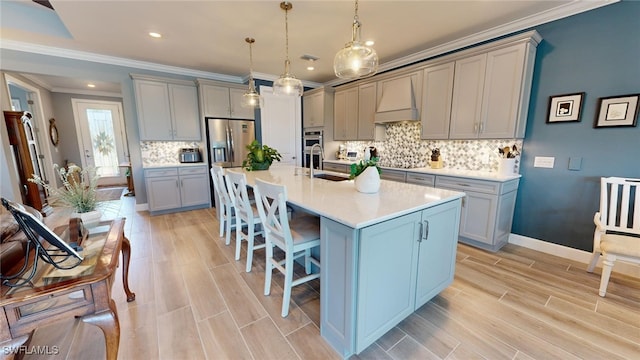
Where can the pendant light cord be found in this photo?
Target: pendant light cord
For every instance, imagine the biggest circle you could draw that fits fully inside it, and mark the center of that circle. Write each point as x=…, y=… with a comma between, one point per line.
x=286, y=32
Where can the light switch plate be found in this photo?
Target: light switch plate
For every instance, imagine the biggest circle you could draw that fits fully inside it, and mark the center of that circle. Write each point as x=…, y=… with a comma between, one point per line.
x=575, y=163
x=544, y=162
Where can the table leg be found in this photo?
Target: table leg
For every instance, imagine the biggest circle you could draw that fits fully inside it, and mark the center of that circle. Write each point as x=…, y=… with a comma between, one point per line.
x=126, y=256
x=107, y=321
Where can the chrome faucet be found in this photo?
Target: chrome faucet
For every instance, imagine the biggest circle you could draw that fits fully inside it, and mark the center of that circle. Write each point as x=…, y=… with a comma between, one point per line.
x=311, y=157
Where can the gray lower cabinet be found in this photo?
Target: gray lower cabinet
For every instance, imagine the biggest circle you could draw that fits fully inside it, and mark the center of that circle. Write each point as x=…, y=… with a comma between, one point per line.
x=487, y=210
x=341, y=168
x=395, y=175
x=175, y=188
x=375, y=277
x=421, y=179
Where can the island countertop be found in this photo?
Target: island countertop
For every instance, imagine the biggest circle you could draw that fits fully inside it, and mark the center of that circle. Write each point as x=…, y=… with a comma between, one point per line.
x=341, y=202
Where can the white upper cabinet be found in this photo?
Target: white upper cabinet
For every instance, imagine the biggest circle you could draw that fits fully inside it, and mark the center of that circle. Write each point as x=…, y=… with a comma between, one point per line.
x=437, y=91
x=345, y=118
x=317, y=107
x=224, y=101
x=366, y=112
x=166, y=111
x=491, y=93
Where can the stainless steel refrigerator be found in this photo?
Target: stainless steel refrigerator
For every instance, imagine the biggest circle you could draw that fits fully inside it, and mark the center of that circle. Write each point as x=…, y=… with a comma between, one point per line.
x=227, y=140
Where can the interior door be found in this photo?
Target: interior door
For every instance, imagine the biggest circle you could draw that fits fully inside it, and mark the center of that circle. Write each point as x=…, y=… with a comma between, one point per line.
x=282, y=125
x=101, y=138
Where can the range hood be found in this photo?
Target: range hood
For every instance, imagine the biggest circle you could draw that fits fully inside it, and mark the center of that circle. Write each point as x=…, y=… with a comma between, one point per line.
x=397, y=100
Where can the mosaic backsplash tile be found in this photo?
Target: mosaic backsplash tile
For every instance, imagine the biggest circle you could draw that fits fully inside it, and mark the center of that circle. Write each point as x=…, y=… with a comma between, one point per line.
x=158, y=153
x=403, y=148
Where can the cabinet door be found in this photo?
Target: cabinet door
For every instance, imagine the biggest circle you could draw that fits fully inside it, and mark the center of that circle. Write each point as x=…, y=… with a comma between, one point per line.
x=312, y=108
x=366, y=111
x=215, y=101
x=235, y=104
x=183, y=100
x=437, y=91
x=387, y=275
x=163, y=193
x=478, y=217
x=437, y=256
x=194, y=190
x=502, y=92
x=346, y=114
x=466, y=104
x=154, y=114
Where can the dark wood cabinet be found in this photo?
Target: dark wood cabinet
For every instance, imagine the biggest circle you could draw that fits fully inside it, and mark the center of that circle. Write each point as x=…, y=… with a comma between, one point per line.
x=25, y=151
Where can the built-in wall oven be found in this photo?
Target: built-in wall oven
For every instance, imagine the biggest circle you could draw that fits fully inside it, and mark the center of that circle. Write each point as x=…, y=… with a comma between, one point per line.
x=310, y=138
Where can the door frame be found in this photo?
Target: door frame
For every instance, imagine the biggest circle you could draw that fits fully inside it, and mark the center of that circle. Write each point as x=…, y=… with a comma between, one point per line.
x=80, y=138
x=40, y=123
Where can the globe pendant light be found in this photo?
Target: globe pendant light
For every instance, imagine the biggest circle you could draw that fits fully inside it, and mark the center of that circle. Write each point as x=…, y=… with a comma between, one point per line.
x=287, y=84
x=356, y=60
x=250, y=99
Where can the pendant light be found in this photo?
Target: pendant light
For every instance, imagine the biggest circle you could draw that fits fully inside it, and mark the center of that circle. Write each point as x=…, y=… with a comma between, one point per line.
x=287, y=84
x=356, y=60
x=250, y=99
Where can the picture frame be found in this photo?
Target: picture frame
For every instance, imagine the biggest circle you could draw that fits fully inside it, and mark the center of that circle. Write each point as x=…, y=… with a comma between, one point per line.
x=615, y=111
x=565, y=108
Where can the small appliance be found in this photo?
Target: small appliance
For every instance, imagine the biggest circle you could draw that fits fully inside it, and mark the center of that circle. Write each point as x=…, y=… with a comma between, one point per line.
x=190, y=155
x=311, y=138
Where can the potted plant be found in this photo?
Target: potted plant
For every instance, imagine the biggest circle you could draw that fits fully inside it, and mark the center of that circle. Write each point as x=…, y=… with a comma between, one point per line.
x=260, y=157
x=367, y=175
x=78, y=191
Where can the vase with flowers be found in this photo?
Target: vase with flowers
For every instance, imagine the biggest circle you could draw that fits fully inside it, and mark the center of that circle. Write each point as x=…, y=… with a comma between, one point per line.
x=78, y=191
x=367, y=175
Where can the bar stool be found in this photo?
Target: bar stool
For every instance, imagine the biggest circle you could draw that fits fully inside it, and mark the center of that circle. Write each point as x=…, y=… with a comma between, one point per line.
x=225, y=209
x=296, y=238
x=245, y=215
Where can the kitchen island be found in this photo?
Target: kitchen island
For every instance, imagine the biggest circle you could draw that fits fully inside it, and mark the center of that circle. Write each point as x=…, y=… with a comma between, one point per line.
x=383, y=255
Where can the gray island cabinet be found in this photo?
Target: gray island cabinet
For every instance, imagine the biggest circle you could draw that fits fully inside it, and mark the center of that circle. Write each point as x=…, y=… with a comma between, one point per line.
x=383, y=255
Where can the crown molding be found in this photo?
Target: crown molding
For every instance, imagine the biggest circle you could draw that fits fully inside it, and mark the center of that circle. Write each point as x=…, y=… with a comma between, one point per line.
x=85, y=92
x=544, y=17
x=112, y=60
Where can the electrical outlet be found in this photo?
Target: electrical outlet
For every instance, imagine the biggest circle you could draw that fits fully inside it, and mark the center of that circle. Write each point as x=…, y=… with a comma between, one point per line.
x=544, y=162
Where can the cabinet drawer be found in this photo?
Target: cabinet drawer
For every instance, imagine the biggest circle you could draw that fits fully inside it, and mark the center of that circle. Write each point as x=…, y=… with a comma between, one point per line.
x=149, y=173
x=421, y=179
x=455, y=183
x=192, y=170
x=343, y=168
x=395, y=175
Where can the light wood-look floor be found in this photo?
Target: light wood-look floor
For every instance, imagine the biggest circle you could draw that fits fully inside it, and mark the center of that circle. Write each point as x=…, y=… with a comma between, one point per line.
x=194, y=301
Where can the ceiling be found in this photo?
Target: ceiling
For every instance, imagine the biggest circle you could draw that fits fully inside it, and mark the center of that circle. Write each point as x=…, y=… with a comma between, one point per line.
x=208, y=36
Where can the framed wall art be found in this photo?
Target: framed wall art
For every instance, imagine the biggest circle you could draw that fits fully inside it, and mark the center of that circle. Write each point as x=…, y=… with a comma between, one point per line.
x=621, y=110
x=563, y=108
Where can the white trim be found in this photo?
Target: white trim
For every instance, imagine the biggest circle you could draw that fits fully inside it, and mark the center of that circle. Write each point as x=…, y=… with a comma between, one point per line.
x=142, y=207
x=570, y=253
x=111, y=60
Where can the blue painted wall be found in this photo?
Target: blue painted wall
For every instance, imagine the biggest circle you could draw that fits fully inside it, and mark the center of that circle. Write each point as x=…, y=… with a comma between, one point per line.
x=597, y=52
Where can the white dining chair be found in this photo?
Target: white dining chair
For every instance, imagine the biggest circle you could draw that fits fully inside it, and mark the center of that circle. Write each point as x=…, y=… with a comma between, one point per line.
x=225, y=209
x=296, y=238
x=246, y=215
x=617, y=234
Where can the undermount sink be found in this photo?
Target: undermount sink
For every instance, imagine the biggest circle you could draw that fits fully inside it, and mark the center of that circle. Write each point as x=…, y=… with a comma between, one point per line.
x=330, y=177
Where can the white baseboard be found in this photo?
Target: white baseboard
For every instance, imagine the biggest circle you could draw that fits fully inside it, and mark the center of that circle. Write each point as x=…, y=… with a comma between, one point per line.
x=570, y=253
x=142, y=207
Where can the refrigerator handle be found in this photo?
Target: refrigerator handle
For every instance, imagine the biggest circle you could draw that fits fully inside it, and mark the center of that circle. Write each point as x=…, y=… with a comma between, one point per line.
x=230, y=142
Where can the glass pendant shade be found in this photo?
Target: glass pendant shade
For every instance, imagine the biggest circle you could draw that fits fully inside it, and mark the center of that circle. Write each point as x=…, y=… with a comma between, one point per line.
x=356, y=60
x=250, y=99
x=287, y=84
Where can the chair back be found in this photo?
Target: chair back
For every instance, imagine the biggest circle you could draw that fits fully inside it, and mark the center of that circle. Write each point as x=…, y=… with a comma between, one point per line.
x=219, y=186
x=237, y=185
x=271, y=201
x=620, y=205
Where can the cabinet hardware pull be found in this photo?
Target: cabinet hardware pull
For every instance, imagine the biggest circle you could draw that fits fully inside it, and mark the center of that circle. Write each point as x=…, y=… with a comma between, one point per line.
x=481, y=127
x=420, y=232
x=475, y=127
x=462, y=184
x=177, y=183
x=426, y=229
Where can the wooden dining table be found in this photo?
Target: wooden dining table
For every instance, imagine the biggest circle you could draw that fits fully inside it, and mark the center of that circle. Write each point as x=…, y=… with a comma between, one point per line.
x=83, y=291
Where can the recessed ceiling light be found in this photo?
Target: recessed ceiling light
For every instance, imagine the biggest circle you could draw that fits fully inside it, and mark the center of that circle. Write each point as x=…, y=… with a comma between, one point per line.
x=310, y=68
x=155, y=35
x=369, y=42
x=91, y=85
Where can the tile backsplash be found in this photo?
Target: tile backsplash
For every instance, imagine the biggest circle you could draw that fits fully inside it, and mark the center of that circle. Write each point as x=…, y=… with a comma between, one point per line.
x=403, y=148
x=158, y=153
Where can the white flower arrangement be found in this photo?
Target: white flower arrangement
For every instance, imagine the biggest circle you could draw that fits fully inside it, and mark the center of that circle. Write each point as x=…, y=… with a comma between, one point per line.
x=78, y=190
